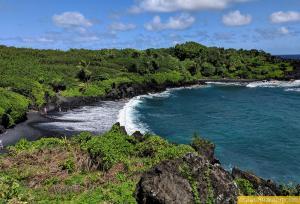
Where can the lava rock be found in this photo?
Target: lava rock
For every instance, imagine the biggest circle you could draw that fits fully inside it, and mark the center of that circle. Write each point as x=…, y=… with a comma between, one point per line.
x=138, y=136
x=205, y=148
x=2, y=129
x=261, y=186
x=190, y=179
x=121, y=128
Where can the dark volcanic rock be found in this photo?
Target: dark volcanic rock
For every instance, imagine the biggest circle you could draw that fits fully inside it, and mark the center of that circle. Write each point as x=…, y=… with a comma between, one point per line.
x=295, y=74
x=121, y=128
x=138, y=136
x=205, y=148
x=261, y=186
x=2, y=129
x=191, y=179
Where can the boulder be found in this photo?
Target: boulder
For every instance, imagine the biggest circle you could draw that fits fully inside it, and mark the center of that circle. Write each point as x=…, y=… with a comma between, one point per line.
x=138, y=136
x=261, y=186
x=2, y=129
x=191, y=179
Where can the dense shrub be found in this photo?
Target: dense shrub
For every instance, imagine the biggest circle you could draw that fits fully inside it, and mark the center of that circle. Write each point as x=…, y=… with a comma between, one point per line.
x=110, y=148
x=245, y=187
x=13, y=107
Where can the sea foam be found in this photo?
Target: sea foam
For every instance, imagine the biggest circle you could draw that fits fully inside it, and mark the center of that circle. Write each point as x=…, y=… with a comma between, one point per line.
x=293, y=89
x=128, y=116
x=227, y=83
x=274, y=84
x=97, y=119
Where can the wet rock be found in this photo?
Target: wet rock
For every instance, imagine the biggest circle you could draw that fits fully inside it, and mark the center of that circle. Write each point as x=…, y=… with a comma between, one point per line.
x=261, y=186
x=191, y=179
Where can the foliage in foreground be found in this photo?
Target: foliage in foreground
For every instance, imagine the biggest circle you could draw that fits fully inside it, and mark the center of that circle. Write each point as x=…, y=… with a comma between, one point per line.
x=94, y=169
x=85, y=169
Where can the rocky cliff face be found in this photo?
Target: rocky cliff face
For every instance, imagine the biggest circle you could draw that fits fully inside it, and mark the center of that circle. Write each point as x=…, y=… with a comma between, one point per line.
x=199, y=178
x=191, y=179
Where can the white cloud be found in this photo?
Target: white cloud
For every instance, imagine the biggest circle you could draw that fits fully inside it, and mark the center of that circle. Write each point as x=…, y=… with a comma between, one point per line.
x=38, y=40
x=283, y=30
x=122, y=27
x=284, y=17
x=180, y=5
x=71, y=20
x=272, y=33
x=235, y=18
x=181, y=22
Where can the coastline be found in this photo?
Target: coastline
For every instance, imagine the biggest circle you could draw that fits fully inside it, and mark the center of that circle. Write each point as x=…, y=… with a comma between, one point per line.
x=35, y=117
x=30, y=131
x=28, y=128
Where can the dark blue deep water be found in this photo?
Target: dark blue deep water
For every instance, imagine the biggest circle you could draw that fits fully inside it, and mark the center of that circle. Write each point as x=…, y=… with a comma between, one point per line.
x=255, y=129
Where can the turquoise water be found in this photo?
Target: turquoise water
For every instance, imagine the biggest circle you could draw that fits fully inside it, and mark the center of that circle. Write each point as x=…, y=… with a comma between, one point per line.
x=255, y=129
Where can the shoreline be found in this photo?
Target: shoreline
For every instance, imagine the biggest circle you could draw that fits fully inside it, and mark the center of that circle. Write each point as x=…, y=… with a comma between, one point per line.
x=27, y=127
x=32, y=132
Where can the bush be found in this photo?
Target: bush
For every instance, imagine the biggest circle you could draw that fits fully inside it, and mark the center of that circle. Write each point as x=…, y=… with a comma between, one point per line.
x=111, y=148
x=159, y=149
x=68, y=165
x=13, y=105
x=245, y=187
x=9, y=188
x=24, y=145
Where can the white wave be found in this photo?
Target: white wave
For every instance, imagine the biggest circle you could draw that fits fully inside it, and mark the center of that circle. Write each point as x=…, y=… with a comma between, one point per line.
x=187, y=87
x=293, y=89
x=274, y=84
x=227, y=83
x=128, y=116
x=97, y=119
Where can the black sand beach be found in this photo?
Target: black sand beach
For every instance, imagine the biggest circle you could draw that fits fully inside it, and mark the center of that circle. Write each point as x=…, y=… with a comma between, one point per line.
x=28, y=130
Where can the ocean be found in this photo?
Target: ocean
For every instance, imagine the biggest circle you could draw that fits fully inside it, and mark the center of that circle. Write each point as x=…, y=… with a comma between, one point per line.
x=255, y=126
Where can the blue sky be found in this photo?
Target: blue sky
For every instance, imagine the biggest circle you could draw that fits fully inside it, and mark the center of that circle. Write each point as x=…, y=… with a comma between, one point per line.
x=271, y=25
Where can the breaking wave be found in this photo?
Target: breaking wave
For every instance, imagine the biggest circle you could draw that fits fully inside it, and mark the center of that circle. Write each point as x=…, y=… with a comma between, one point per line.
x=274, y=84
x=129, y=116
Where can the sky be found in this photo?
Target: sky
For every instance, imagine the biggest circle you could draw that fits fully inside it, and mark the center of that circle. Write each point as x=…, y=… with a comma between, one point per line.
x=270, y=25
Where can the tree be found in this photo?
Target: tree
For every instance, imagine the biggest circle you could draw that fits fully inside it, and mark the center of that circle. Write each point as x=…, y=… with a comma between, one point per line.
x=208, y=69
x=189, y=50
x=84, y=74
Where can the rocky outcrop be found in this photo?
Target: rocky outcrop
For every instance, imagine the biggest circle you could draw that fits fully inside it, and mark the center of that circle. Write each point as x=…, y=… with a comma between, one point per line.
x=138, y=136
x=261, y=186
x=205, y=148
x=191, y=179
x=2, y=129
x=295, y=74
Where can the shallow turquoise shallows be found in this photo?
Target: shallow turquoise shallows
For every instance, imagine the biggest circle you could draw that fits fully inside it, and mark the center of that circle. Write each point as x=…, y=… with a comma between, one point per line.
x=255, y=129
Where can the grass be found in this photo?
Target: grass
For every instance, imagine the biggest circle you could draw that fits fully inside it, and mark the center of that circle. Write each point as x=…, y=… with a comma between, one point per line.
x=85, y=169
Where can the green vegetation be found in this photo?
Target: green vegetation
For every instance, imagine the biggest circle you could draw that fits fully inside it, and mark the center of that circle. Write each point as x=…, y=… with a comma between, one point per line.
x=186, y=172
x=245, y=187
x=12, y=107
x=30, y=78
x=84, y=169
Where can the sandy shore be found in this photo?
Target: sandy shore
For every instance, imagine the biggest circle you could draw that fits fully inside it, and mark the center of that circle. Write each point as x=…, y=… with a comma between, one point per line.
x=27, y=130
x=30, y=130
